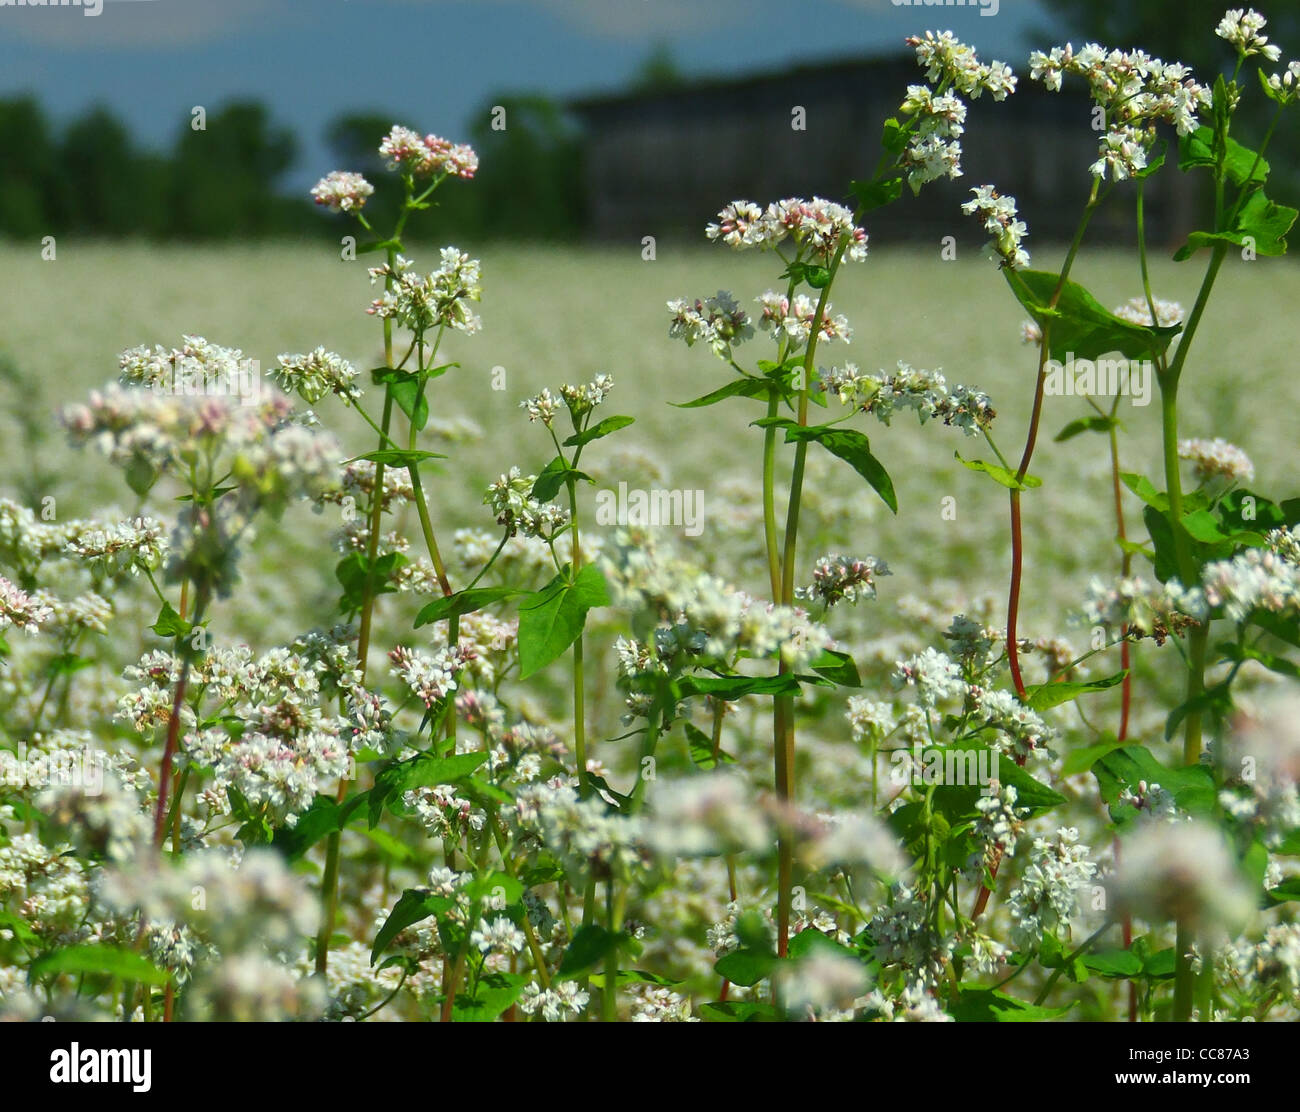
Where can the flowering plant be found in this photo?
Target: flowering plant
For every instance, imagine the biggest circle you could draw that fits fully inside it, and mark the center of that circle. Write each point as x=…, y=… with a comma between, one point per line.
x=424, y=805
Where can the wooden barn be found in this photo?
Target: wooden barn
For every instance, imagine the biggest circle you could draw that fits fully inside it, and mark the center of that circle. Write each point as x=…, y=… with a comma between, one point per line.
x=663, y=162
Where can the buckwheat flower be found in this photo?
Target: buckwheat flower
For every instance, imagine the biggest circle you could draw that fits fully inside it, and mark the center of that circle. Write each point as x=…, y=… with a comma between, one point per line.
x=1138, y=311
x=707, y=815
x=1286, y=543
x=341, y=191
x=47, y=885
x=743, y=224
x=1241, y=29
x=319, y=373
x=89, y=612
x=998, y=212
x=1255, y=580
x=500, y=935
x=1184, y=871
x=510, y=499
x=1046, y=897
x=17, y=608
x=1147, y=608
x=869, y=718
x=1217, y=459
x=1031, y=333
x=718, y=321
x=1123, y=154
x=997, y=829
x=132, y=546
x=971, y=641
x=432, y=678
x=947, y=60
x=439, y=300
x=817, y=227
x=404, y=148
x=1282, y=87
x=795, y=319
x=581, y=400
x=843, y=579
x=564, y=1000
x=915, y=1004
x=659, y=1004
x=851, y=839
x=935, y=676
x=372, y=725
x=820, y=981
x=1134, y=91
x=1151, y=801
x=1024, y=729
x=425, y=156
x=905, y=938
x=196, y=367
x=541, y=407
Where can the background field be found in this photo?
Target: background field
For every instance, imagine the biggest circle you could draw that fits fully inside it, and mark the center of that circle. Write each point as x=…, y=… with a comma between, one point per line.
x=553, y=315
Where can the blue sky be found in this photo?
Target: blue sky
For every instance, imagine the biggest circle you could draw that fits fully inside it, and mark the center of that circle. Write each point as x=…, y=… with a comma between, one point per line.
x=430, y=63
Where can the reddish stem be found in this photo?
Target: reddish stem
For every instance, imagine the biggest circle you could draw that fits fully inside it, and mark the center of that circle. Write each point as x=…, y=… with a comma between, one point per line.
x=169, y=752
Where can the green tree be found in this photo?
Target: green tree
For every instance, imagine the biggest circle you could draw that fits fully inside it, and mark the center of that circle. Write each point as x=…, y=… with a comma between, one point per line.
x=224, y=177
x=29, y=179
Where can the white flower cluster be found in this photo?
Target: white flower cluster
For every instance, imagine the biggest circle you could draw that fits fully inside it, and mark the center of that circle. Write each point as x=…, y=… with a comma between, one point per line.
x=581, y=400
x=701, y=618
x=342, y=191
x=432, y=678
x=869, y=718
x=925, y=392
x=47, y=885
x=1282, y=87
x=718, y=321
x=659, y=1004
x=582, y=834
x=138, y=544
x=821, y=982
x=1135, y=91
x=427, y=156
x=1137, y=310
x=839, y=578
x=197, y=366
x=1139, y=605
x=998, y=212
x=997, y=829
x=818, y=226
x=316, y=374
x=18, y=608
x=904, y=937
x=267, y=454
x=794, y=319
x=1184, y=871
x=1257, y=579
x=936, y=677
x=1024, y=728
x=705, y=815
x=1217, y=459
x=939, y=114
x=1046, y=897
x=1242, y=28
x=564, y=1000
x=915, y=1004
x=441, y=299
x=933, y=151
x=514, y=506
x=948, y=61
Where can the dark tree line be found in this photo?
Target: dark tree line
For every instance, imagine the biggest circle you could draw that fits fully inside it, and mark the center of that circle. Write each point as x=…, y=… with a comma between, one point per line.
x=227, y=179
